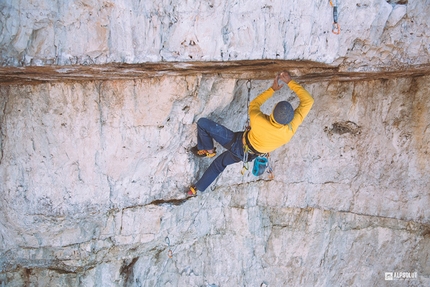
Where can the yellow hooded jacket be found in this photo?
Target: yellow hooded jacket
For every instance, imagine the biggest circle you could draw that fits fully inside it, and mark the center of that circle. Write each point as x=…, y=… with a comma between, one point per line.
x=266, y=134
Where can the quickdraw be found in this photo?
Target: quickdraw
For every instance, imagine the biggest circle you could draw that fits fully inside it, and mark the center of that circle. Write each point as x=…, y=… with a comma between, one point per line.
x=269, y=168
x=249, y=86
x=336, y=28
x=245, y=165
x=170, y=252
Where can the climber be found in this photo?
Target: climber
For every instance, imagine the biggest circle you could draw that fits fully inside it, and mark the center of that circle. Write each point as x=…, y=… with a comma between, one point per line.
x=266, y=133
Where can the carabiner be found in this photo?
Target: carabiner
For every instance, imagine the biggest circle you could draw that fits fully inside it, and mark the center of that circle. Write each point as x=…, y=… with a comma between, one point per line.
x=248, y=85
x=336, y=28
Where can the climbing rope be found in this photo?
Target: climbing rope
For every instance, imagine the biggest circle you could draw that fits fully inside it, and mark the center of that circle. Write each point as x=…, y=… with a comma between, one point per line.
x=246, y=149
x=246, y=127
x=170, y=251
x=336, y=28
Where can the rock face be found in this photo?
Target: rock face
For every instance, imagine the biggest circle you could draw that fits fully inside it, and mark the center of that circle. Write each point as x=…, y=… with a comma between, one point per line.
x=94, y=158
x=373, y=33
x=93, y=172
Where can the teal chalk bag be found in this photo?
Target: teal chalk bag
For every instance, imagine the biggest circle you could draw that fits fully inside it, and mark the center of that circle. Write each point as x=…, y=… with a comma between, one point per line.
x=260, y=165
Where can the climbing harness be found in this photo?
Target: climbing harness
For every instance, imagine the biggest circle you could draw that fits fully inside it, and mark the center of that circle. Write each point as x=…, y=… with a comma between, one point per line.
x=336, y=28
x=261, y=162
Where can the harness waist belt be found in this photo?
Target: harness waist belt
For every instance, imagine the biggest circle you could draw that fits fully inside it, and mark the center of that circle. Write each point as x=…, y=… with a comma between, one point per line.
x=245, y=135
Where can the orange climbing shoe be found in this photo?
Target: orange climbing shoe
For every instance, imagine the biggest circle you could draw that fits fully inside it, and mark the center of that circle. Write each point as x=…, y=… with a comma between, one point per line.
x=192, y=191
x=202, y=152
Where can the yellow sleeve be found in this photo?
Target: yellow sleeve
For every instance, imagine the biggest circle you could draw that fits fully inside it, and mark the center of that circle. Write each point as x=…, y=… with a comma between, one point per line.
x=306, y=102
x=254, y=106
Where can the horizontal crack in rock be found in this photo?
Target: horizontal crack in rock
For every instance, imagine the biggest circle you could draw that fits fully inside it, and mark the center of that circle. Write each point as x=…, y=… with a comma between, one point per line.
x=303, y=71
x=173, y=201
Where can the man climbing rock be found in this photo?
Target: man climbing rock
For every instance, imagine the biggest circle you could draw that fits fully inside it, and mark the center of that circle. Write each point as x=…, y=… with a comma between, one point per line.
x=267, y=132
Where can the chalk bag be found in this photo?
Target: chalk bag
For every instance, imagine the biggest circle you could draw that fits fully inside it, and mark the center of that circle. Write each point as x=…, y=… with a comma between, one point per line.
x=260, y=165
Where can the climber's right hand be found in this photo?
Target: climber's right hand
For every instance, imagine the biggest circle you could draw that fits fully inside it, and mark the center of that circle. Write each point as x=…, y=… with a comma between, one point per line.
x=285, y=77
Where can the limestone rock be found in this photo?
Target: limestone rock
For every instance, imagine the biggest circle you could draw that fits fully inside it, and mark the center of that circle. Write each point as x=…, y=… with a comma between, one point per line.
x=93, y=173
x=374, y=34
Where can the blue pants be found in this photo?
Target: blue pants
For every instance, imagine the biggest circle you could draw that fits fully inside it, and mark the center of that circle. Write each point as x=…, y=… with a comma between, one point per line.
x=207, y=131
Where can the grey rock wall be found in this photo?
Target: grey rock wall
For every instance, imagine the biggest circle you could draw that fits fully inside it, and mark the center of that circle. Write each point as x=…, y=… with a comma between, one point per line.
x=93, y=173
x=94, y=162
x=374, y=33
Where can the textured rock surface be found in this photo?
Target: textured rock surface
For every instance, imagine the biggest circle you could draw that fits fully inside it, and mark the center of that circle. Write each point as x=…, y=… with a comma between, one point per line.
x=93, y=153
x=373, y=33
x=91, y=172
